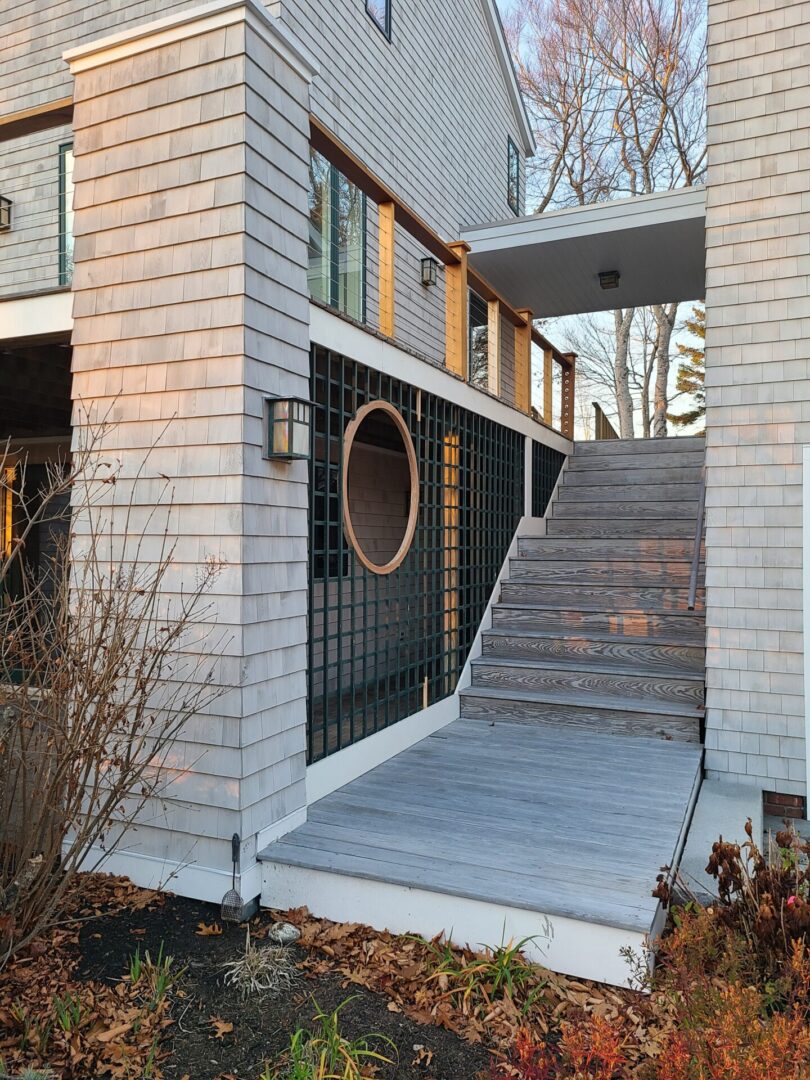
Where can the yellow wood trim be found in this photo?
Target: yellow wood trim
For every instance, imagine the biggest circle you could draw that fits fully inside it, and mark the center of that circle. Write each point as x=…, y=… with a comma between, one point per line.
x=7, y=507
x=494, y=347
x=548, y=386
x=456, y=311
x=523, y=362
x=387, y=219
x=38, y=118
x=567, y=396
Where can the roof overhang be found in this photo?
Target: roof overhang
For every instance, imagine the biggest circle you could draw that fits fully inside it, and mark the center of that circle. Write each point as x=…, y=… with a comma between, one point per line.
x=550, y=263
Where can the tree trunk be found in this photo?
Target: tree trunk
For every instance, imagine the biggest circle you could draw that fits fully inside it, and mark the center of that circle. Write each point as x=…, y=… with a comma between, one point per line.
x=665, y=321
x=623, y=320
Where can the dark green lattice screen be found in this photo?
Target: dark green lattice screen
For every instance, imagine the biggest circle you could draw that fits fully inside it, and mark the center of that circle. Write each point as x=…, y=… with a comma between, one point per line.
x=546, y=465
x=383, y=647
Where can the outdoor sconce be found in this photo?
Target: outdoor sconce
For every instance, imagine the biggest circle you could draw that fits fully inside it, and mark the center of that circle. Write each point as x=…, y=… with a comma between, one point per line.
x=430, y=270
x=5, y=214
x=288, y=427
x=609, y=279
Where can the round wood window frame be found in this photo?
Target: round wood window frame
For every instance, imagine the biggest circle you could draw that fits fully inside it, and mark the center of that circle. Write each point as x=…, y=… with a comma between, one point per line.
x=413, y=513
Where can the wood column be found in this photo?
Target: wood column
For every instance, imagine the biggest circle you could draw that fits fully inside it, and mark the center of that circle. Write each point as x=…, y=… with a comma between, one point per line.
x=387, y=219
x=494, y=347
x=567, y=408
x=523, y=362
x=456, y=318
x=548, y=386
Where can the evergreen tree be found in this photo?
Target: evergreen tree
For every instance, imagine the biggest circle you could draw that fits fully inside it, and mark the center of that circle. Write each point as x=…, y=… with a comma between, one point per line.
x=692, y=372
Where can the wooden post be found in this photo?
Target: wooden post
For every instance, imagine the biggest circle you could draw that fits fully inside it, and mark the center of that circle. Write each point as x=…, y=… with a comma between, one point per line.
x=451, y=524
x=387, y=217
x=456, y=317
x=548, y=386
x=567, y=409
x=494, y=347
x=523, y=362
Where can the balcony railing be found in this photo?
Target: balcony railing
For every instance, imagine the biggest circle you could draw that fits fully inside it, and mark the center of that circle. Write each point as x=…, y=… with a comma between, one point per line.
x=461, y=280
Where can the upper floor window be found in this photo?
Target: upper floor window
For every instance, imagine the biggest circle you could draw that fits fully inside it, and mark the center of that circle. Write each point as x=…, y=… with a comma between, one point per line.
x=65, y=213
x=337, y=239
x=513, y=182
x=380, y=11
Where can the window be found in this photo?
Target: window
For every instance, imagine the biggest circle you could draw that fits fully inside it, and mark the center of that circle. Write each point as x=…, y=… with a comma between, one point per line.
x=513, y=183
x=380, y=12
x=337, y=239
x=66, y=214
x=478, y=318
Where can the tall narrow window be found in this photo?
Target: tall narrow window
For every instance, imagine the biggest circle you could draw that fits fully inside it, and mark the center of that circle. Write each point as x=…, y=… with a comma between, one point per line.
x=513, y=183
x=66, y=213
x=337, y=239
x=380, y=11
x=478, y=319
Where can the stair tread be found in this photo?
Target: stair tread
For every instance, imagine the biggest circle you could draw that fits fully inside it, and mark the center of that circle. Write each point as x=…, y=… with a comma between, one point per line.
x=606, y=636
x=597, y=667
x=587, y=699
x=539, y=606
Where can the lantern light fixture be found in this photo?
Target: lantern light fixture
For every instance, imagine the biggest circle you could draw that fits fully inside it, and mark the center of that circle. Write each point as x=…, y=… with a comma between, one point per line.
x=430, y=270
x=288, y=424
x=5, y=214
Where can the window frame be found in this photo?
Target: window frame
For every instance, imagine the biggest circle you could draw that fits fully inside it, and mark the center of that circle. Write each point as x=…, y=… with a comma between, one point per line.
x=65, y=275
x=332, y=258
x=513, y=159
x=385, y=26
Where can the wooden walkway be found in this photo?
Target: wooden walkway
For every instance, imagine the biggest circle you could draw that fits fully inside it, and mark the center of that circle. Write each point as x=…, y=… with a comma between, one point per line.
x=514, y=814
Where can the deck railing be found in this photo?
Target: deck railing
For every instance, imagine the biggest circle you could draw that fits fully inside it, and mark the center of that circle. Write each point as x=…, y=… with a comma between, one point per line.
x=693, y=575
x=460, y=278
x=603, y=429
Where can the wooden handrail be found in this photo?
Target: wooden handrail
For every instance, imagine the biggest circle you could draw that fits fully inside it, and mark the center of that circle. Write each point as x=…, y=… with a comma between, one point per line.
x=603, y=429
x=693, y=576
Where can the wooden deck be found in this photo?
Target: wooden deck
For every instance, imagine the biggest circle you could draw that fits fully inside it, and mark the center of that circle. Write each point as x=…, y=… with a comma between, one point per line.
x=522, y=820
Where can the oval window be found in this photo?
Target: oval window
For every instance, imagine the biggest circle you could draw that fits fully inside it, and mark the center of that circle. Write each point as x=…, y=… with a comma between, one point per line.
x=380, y=487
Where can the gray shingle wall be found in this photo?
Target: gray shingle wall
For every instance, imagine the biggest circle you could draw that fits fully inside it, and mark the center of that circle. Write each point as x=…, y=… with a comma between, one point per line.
x=758, y=388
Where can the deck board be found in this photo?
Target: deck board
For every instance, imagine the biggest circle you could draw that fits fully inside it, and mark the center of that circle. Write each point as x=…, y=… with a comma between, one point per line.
x=548, y=819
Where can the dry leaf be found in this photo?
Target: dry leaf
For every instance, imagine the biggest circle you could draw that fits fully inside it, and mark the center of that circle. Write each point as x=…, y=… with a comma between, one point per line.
x=221, y=1027
x=208, y=930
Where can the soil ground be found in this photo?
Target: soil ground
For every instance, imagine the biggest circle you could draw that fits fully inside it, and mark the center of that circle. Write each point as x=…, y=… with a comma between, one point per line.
x=261, y=1026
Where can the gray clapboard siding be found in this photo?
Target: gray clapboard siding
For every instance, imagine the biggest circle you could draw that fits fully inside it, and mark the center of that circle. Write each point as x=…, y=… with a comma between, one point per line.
x=563, y=834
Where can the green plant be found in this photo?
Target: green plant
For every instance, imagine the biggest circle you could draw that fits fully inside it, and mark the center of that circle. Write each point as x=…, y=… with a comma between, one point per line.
x=501, y=971
x=325, y=1054
x=68, y=1011
x=159, y=975
x=135, y=967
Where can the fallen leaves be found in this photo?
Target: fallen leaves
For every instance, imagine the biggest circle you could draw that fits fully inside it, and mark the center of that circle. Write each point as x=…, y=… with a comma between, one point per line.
x=208, y=929
x=221, y=1027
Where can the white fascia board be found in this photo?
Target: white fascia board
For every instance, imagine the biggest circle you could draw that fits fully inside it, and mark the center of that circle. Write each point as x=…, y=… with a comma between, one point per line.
x=640, y=211
x=335, y=333
x=36, y=316
x=191, y=23
x=495, y=25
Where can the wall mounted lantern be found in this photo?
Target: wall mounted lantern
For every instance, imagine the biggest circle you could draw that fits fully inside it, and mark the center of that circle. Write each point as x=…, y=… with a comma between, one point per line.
x=5, y=214
x=287, y=429
x=430, y=270
x=609, y=279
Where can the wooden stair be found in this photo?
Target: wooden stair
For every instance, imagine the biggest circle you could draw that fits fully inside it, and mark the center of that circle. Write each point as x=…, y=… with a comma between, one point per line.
x=593, y=628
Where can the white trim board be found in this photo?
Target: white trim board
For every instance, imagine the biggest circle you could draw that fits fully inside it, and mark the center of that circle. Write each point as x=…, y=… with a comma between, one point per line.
x=806, y=606
x=578, y=948
x=346, y=765
x=36, y=316
x=333, y=332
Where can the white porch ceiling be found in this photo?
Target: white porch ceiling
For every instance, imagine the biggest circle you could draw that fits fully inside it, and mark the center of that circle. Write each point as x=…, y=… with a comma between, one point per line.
x=550, y=263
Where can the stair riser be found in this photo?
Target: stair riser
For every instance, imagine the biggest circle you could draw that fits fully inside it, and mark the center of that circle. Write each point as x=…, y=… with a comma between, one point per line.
x=620, y=477
x=638, y=447
x=636, y=687
x=608, y=528
x=683, y=460
x=682, y=729
x=685, y=629
x=661, y=493
x=604, y=598
x=672, y=659
x=607, y=573
x=629, y=511
x=555, y=549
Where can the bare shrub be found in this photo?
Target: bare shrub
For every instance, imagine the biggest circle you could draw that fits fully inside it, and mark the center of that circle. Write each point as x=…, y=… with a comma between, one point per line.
x=104, y=656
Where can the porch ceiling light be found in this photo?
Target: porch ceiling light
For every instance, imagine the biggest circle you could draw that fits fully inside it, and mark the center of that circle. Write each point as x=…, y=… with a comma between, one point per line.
x=288, y=425
x=609, y=279
x=430, y=268
x=5, y=214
